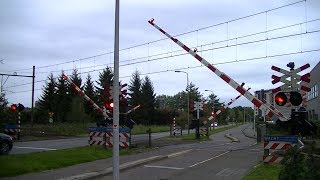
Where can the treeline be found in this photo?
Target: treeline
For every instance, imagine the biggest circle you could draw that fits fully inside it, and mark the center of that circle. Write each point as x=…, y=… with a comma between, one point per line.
x=61, y=103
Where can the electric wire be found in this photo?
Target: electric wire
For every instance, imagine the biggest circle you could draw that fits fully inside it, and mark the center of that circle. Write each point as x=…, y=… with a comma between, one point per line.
x=181, y=34
x=198, y=66
x=184, y=53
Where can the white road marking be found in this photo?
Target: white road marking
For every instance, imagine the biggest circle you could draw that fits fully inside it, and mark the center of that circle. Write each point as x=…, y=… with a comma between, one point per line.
x=163, y=167
x=178, y=153
x=209, y=159
x=222, y=171
x=49, y=149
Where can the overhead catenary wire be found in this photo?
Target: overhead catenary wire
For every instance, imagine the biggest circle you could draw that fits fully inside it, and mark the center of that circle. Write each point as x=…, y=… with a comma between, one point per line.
x=202, y=45
x=181, y=34
x=198, y=66
x=202, y=50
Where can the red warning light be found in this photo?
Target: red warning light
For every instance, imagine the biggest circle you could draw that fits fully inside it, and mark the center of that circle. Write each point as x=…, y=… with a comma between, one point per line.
x=13, y=107
x=281, y=99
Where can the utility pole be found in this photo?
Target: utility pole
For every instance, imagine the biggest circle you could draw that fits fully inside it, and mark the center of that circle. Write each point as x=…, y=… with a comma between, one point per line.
x=32, y=98
x=115, y=152
x=244, y=115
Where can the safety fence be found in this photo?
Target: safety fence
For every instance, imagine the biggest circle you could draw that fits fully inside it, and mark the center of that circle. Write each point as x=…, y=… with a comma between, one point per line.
x=204, y=131
x=103, y=136
x=275, y=147
x=12, y=130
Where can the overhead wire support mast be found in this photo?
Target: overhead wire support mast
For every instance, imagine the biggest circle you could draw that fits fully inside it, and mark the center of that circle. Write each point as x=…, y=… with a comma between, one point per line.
x=223, y=76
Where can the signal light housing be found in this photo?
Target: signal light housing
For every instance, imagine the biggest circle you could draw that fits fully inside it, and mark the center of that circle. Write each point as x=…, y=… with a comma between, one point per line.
x=281, y=99
x=14, y=107
x=109, y=106
x=295, y=98
x=20, y=107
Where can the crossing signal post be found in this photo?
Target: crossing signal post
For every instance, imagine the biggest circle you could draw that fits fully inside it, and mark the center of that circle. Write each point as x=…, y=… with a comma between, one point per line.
x=291, y=86
x=198, y=105
x=290, y=92
x=19, y=108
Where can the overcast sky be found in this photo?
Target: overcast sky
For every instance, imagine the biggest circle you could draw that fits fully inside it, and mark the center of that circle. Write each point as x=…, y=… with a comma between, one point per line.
x=45, y=33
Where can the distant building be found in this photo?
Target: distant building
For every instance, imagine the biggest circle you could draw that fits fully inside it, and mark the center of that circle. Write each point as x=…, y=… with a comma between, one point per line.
x=267, y=96
x=313, y=99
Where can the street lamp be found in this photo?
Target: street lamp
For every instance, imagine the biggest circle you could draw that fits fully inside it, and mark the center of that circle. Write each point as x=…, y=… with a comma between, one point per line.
x=188, y=95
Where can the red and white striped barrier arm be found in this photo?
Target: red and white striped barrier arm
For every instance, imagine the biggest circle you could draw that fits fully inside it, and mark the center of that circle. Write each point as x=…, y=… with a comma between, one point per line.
x=225, y=107
x=226, y=78
x=81, y=93
x=132, y=110
x=272, y=107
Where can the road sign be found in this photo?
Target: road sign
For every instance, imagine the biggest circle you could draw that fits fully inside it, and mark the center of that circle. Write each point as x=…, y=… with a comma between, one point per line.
x=292, y=84
x=292, y=139
x=198, y=105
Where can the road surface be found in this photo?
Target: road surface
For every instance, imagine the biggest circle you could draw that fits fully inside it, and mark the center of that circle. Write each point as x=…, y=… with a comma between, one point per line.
x=49, y=145
x=217, y=159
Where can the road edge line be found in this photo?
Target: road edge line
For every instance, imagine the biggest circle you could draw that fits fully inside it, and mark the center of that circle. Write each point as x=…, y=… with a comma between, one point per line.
x=124, y=166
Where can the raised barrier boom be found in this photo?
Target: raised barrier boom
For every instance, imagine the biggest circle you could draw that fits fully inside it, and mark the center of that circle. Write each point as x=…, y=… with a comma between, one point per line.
x=268, y=109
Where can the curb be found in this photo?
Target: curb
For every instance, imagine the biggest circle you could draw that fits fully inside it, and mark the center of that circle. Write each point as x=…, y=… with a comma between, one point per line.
x=233, y=139
x=124, y=166
x=244, y=133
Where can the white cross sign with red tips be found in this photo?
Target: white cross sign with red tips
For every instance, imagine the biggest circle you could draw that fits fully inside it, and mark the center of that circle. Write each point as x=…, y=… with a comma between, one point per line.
x=198, y=105
x=295, y=78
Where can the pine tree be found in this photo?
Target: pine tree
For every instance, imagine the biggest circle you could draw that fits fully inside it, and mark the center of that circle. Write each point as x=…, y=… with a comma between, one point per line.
x=90, y=92
x=148, y=100
x=63, y=99
x=134, y=99
x=134, y=89
x=76, y=79
x=3, y=106
x=105, y=79
x=194, y=92
x=214, y=102
x=47, y=101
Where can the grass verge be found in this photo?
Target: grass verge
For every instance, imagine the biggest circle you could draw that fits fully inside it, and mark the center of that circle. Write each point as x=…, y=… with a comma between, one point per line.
x=76, y=129
x=264, y=172
x=14, y=165
x=191, y=136
x=142, y=129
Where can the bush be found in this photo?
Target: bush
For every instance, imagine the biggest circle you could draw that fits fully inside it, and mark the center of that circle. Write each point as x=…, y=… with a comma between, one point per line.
x=299, y=165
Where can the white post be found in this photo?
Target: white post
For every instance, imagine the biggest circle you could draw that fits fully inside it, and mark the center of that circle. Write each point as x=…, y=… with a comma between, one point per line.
x=188, y=88
x=254, y=122
x=115, y=152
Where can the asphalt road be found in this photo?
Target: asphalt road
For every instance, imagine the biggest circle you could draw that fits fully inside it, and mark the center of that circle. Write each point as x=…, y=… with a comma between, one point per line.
x=217, y=159
x=50, y=145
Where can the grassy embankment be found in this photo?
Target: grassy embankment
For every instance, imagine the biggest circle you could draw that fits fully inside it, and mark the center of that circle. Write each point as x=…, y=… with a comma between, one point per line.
x=13, y=165
x=264, y=172
x=191, y=136
x=79, y=129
